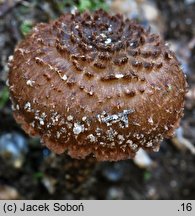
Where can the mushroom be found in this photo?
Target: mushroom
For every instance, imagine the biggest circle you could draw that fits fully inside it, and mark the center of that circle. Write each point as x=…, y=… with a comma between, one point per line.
x=97, y=84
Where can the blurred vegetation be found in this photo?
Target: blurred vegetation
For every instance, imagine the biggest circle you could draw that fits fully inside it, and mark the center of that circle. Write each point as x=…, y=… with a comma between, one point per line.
x=92, y=5
x=147, y=175
x=82, y=5
x=4, y=97
x=26, y=27
x=38, y=175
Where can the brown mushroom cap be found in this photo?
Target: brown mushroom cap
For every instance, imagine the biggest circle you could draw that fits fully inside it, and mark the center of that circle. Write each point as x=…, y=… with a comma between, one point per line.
x=96, y=84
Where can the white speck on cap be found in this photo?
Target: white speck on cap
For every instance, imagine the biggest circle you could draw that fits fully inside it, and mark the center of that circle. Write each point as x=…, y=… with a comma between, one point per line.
x=103, y=35
x=150, y=120
x=77, y=129
x=27, y=106
x=108, y=41
x=30, y=83
x=91, y=137
x=119, y=76
x=10, y=58
x=64, y=77
x=70, y=118
x=84, y=118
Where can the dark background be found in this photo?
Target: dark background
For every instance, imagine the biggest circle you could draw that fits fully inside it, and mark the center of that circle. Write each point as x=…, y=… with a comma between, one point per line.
x=30, y=171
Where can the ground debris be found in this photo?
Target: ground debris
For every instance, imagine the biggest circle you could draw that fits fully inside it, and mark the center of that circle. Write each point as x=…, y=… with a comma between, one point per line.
x=8, y=193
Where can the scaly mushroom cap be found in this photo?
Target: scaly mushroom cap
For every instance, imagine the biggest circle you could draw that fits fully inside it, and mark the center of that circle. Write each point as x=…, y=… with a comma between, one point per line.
x=96, y=84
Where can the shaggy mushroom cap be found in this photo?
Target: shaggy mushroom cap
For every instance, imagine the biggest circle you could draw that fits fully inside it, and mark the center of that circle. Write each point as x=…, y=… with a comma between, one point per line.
x=96, y=84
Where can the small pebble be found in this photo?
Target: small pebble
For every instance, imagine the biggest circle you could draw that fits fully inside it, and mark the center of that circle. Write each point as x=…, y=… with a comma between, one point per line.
x=13, y=147
x=46, y=152
x=8, y=193
x=49, y=183
x=114, y=193
x=142, y=159
x=114, y=172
